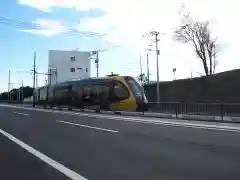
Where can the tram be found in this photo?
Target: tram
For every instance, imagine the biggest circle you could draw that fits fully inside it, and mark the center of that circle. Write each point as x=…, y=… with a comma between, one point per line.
x=112, y=93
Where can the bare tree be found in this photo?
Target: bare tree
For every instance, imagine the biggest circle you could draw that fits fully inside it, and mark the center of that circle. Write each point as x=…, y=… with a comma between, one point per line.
x=143, y=79
x=199, y=36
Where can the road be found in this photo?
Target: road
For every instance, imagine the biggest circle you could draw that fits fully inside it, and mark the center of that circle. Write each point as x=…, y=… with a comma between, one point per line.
x=44, y=144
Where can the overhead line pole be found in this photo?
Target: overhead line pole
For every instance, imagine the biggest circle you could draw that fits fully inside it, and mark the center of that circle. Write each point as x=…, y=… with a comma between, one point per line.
x=22, y=93
x=157, y=54
x=9, y=83
x=34, y=77
x=148, y=76
x=141, y=72
x=97, y=63
x=155, y=34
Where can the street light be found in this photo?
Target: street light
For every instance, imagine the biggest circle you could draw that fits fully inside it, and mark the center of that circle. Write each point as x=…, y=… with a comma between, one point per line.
x=174, y=73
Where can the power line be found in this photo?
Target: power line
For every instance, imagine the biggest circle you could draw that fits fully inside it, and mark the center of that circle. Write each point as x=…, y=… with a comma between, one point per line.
x=36, y=26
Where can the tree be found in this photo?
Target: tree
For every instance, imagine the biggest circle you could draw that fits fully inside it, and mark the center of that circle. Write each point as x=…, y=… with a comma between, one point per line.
x=199, y=36
x=14, y=93
x=143, y=79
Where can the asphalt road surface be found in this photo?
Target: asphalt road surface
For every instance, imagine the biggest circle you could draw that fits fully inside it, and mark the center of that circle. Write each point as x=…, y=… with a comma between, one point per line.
x=44, y=144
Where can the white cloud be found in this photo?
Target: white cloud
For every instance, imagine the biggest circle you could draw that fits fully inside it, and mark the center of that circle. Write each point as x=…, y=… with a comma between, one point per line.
x=125, y=21
x=46, y=27
x=47, y=5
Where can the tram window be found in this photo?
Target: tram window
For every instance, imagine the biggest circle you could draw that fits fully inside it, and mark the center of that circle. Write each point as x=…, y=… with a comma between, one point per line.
x=99, y=92
x=102, y=92
x=50, y=92
x=105, y=92
x=96, y=90
x=38, y=95
x=77, y=91
x=135, y=87
x=96, y=93
x=120, y=91
x=86, y=93
x=61, y=92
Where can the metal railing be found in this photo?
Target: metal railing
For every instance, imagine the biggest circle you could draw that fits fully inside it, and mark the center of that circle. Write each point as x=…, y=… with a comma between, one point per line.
x=178, y=108
x=206, y=109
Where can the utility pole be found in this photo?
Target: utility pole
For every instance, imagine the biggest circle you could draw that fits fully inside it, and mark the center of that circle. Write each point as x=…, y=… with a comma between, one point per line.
x=155, y=35
x=56, y=74
x=157, y=53
x=141, y=74
x=9, y=83
x=22, y=92
x=50, y=74
x=97, y=63
x=148, y=69
x=34, y=78
x=19, y=95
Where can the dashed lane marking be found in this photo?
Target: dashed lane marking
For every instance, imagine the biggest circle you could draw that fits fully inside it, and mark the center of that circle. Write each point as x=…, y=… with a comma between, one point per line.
x=90, y=127
x=18, y=113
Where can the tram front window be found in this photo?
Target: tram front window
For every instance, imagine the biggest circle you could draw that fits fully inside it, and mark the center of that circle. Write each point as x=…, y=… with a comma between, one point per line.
x=136, y=88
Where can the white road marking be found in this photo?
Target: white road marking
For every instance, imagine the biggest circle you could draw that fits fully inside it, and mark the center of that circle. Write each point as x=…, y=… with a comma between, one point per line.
x=68, y=172
x=156, y=121
x=20, y=113
x=169, y=123
x=90, y=127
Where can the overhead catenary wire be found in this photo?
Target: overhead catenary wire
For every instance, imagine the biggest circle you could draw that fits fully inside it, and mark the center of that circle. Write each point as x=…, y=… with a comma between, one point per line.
x=24, y=25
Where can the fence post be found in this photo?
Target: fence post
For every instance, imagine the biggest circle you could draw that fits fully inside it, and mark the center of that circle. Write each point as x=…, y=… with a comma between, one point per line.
x=221, y=110
x=177, y=107
x=143, y=110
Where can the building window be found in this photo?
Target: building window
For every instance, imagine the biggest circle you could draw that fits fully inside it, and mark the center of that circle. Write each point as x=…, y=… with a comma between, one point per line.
x=79, y=68
x=86, y=69
x=72, y=69
x=73, y=58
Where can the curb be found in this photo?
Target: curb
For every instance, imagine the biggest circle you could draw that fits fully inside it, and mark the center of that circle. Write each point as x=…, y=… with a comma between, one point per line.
x=199, y=118
x=236, y=119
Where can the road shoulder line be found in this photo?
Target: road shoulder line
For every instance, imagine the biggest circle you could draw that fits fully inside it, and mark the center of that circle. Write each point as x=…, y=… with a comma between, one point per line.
x=61, y=168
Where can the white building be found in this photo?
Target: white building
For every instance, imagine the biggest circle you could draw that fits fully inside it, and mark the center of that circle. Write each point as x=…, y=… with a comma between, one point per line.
x=67, y=65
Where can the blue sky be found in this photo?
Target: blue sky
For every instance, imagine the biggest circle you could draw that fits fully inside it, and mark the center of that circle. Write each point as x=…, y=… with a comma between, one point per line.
x=17, y=47
x=124, y=21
